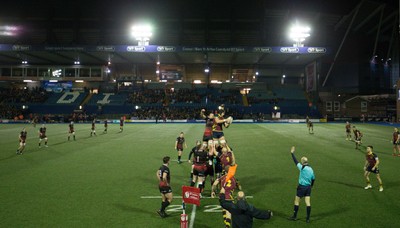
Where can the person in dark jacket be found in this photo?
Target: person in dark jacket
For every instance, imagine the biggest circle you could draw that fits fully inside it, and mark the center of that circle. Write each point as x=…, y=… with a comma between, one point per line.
x=242, y=212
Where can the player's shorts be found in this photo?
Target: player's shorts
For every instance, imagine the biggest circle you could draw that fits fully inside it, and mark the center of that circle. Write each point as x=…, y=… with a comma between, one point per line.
x=210, y=170
x=303, y=191
x=42, y=137
x=22, y=143
x=199, y=170
x=218, y=168
x=348, y=131
x=165, y=189
x=179, y=147
x=396, y=143
x=369, y=169
x=207, y=138
x=71, y=132
x=228, y=195
x=217, y=134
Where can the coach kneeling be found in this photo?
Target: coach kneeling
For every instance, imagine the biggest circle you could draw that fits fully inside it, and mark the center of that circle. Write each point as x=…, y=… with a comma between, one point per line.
x=242, y=212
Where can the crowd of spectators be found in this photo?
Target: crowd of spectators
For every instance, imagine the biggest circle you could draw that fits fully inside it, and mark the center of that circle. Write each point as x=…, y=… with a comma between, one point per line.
x=9, y=111
x=181, y=96
x=166, y=113
x=23, y=95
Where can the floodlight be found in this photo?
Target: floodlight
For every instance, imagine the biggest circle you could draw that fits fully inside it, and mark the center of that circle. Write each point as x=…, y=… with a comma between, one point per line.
x=142, y=34
x=299, y=33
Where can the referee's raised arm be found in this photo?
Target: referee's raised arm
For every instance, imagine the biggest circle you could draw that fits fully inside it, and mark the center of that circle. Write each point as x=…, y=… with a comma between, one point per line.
x=294, y=157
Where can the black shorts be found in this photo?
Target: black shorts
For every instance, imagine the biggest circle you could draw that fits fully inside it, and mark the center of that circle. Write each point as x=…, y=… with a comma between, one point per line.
x=396, y=143
x=217, y=134
x=369, y=169
x=207, y=138
x=218, y=168
x=199, y=170
x=303, y=191
x=210, y=170
x=165, y=189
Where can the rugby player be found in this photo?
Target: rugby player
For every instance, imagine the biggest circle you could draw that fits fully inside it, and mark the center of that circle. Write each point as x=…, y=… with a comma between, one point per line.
x=105, y=126
x=229, y=187
x=93, y=129
x=310, y=127
x=208, y=131
x=217, y=129
x=71, y=130
x=357, y=136
x=396, y=142
x=121, y=124
x=42, y=135
x=22, y=141
x=371, y=166
x=200, y=167
x=306, y=181
x=164, y=178
x=179, y=144
x=198, y=145
x=348, y=131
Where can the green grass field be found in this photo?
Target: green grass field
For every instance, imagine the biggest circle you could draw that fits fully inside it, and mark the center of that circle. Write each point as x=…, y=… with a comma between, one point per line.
x=109, y=180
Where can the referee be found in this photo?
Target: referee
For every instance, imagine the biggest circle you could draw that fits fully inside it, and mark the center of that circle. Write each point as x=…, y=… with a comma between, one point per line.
x=306, y=181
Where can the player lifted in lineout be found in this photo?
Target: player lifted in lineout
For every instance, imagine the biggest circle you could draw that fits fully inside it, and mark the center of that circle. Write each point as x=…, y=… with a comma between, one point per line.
x=208, y=131
x=219, y=123
x=42, y=135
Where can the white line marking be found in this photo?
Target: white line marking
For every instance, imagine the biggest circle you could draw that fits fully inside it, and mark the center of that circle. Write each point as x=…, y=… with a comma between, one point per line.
x=180, y=197
x=192, y=216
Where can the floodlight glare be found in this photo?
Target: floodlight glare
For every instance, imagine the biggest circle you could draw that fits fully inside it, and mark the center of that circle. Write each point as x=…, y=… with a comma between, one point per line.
x=299, y=34
x=142, y=34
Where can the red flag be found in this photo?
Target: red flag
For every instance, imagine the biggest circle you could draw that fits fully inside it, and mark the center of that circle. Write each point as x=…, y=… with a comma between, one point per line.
x=191, y=195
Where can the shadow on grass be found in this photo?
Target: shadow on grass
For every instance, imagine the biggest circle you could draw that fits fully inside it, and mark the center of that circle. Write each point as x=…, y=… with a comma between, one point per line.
x=128, y=208
x=9, y=157
x=319, y=216
x=346, y=184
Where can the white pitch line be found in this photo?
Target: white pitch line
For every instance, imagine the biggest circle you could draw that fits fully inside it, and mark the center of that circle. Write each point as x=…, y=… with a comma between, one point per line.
x=192, y=216
x=180, y=197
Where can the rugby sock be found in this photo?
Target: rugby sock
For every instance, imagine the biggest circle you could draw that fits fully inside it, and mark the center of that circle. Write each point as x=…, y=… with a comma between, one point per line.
x=308, y=212
x=224, y=217
x=228, y=222
x=74, y=137
x=296, y=209
x=68, y=138
x=45, y=143
x=164, y=205
x=179, y=158
x=39, y=144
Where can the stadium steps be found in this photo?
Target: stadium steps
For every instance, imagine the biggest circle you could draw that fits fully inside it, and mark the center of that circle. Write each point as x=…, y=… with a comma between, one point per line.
x=86, y=99
x=245, y=100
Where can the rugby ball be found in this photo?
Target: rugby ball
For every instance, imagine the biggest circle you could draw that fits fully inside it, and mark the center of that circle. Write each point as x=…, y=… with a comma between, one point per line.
x=229, y=121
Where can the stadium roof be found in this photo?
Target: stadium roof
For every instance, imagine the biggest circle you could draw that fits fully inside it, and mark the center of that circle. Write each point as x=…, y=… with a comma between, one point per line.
x=248, y=24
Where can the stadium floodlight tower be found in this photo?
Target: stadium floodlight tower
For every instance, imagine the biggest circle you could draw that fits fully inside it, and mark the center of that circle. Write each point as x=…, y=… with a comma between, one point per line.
x=142, y=34
x=299, y=33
